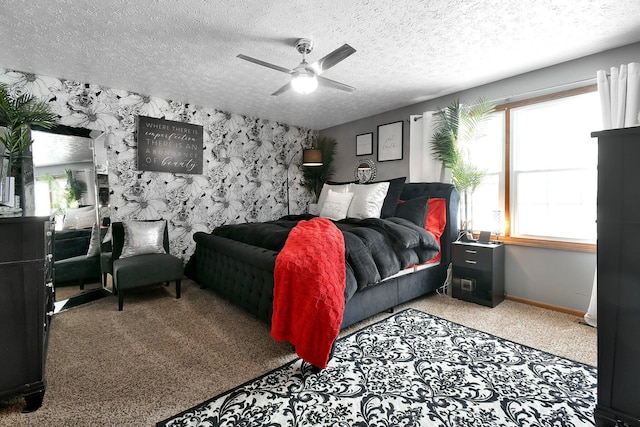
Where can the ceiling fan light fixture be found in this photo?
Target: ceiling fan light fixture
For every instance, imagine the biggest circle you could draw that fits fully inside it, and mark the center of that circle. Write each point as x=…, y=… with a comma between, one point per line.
x=304, y=81
x=305, y=78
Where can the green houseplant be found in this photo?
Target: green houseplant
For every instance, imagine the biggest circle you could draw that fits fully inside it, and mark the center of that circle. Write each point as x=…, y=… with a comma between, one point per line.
x=314, y=177
x=18, y=115
x=74, y=189
x=456, y=126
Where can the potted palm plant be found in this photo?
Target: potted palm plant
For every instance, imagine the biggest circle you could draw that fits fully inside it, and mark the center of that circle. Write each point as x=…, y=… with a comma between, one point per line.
x=74, y=189
x=313, y=178
x=18, y=114
x=456, y=126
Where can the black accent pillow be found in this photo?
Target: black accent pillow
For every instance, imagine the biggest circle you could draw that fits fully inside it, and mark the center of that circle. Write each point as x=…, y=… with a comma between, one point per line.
x=393, y=195
x=414, y=210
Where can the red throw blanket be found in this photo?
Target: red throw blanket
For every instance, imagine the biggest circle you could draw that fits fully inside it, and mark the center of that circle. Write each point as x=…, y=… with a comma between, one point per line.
x=308, y=293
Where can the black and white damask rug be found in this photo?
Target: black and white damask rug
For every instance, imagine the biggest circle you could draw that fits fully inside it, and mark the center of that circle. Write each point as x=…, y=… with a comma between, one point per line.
x=412, y=369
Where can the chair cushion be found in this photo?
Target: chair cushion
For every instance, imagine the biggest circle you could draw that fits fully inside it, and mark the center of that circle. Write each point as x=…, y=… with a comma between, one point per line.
x=106, y=262
x=147, y=269
x=76, y=268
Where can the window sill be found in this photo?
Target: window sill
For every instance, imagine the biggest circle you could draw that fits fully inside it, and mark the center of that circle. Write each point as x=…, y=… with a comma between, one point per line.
x=550, y=244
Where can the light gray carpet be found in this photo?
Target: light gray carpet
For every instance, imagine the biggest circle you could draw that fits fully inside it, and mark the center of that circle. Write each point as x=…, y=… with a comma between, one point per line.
x=161, y=356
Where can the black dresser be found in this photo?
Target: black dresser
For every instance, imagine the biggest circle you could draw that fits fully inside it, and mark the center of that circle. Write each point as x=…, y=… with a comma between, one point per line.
x=618, y=277
x=26, y=306
x=478, y=272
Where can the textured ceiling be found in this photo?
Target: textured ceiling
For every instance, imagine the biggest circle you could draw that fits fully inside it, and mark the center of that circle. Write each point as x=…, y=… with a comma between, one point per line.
x=407, y=51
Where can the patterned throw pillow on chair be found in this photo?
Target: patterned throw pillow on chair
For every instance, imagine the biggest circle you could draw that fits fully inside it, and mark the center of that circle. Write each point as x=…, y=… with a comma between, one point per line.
x=142, y=237
x=94, y=243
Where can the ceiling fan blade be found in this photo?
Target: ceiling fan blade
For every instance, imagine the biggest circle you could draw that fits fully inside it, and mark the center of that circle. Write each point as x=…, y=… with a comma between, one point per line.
x=264, y=64
x=282, y=89
x=328, y=61
x=323, y=81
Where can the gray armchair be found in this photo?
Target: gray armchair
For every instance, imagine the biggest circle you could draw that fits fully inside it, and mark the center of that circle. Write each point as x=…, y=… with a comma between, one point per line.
x=71, y=263
x=145, y=269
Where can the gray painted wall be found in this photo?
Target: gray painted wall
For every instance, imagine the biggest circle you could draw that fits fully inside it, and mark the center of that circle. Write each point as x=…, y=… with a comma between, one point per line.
x=561, y=278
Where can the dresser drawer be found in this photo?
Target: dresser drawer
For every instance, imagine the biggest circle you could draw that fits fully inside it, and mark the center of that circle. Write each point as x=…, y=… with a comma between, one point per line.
x=472, y=256
x=21, y=239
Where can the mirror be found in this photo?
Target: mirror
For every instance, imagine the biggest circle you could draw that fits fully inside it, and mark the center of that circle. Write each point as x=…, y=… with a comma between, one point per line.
x=365, y=171
x=71, y=185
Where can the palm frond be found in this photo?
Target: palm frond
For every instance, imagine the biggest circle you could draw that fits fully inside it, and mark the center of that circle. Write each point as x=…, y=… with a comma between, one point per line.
x=18, y=115
x=443, y=148
x=6, y=106
x=451, y=148
x=444, y=140
x=314, y=177
x=74, y=188
x=474, y=116
x=467, y=176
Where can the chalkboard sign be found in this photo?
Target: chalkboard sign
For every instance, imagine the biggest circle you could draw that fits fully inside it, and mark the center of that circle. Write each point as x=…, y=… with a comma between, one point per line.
x=167, y=146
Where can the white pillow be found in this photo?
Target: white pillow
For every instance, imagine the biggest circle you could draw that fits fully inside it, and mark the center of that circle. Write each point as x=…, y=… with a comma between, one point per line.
x=367, y=200
x=94, y=243
x=336, y=205
x=79, y=218
x=86, y=219
x=338, y=188
x=108, y=236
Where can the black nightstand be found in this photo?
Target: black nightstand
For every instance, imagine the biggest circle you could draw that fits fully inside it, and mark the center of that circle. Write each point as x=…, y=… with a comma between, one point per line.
x=478, y=272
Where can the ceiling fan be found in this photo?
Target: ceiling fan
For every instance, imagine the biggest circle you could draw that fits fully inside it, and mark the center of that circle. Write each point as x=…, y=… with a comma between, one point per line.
x=306, y=77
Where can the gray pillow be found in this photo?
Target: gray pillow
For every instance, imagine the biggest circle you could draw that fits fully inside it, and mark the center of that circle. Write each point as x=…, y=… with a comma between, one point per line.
x=393, y=194
x=414, y=210
x=142, y=237
x=94, y=243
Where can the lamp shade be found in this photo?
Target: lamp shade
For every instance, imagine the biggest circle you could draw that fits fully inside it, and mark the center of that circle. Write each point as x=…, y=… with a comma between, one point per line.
x=312, y=157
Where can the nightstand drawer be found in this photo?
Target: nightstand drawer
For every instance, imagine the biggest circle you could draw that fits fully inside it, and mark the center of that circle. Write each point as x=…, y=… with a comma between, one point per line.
x=472, y=256
x=478, y=272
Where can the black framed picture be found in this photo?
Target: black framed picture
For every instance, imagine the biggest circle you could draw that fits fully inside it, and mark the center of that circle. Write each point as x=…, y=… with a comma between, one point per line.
x=390, y=141
x=168, y=146
x=364, y=144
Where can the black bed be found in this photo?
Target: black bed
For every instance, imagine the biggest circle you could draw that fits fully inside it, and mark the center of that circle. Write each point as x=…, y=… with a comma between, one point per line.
x=243, y=273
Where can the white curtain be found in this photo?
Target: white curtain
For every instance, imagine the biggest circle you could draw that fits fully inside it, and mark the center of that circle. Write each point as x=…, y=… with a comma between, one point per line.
x=422, y=166
x=620, y=105
x=591, y=317
x=620, y=95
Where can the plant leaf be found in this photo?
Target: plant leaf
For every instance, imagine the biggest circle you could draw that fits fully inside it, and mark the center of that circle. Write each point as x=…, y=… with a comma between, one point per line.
x=18, y=115
x=314, y=177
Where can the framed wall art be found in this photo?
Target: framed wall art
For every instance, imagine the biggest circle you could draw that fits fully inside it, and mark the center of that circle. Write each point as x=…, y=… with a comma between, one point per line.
x=168, y=146
x=364, y=144
x=390, y=141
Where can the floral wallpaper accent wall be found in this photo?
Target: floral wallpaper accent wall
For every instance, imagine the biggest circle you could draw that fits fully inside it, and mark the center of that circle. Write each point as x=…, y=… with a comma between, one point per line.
x=246, y=160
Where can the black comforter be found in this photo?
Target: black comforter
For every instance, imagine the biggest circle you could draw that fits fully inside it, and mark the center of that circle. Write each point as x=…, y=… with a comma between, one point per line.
x=375, y=248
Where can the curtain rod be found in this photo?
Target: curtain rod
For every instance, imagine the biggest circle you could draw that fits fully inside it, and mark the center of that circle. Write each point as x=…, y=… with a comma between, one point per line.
x=556, y=88
x=552, y=89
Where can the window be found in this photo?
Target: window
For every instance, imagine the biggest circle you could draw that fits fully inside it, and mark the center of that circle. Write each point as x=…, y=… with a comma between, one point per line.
x=541, y=165
x=488, y=153
x=49, y=193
